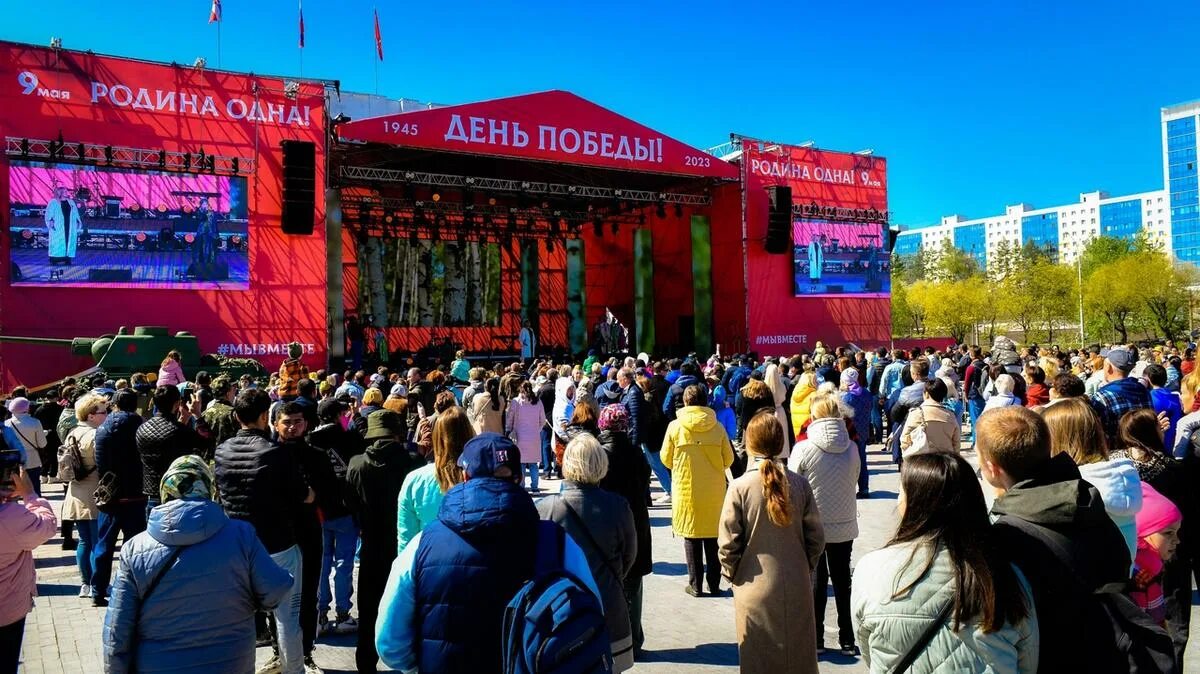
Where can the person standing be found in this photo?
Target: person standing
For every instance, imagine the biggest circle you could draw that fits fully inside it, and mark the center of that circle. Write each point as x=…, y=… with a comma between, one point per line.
x=944, y=570
x=486, y=413
x=769, y=542
x=125, y=513
x=859, y=400
x=164, y=438
x=528, y=342
x=262, y=484
x=816, y=259
x=374, y=480
x=23, y=527
x=524, y=422
x=79, y=504
x=828, y=459
x=25, y=433
x=424, y=488
x=1120, y=393
x=291, y=371
x=602, y=524
x=62, y=227
x=697, y=452
x=187, y=589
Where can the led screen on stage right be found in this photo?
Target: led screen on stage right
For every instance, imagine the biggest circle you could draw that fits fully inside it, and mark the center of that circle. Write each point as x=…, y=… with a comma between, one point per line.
x=839, y=258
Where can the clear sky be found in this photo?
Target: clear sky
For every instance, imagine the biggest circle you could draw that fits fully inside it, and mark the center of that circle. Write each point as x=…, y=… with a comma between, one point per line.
x=975, y=107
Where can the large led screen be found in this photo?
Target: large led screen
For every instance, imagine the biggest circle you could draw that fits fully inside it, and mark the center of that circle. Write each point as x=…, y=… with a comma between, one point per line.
x=73, y=225
x=839, y=258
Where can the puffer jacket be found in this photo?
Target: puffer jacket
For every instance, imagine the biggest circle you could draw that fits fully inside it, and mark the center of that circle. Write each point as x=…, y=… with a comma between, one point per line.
x=801, y=407
x=1121, y=490
x=23, y=527
x=222, y=576
x=160, y=441
x=828, y=458
x=885, y=626
x=697, y=451
x=117, y=452
x=261, y=483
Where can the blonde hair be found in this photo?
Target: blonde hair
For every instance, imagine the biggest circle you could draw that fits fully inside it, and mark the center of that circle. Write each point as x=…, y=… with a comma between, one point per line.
x=1075, y=430
x=1189, y=386
x=764, y=437
x=1049, y=366
x=584, y=460
x=89, y=404
x=808, y=378
x=825, y=406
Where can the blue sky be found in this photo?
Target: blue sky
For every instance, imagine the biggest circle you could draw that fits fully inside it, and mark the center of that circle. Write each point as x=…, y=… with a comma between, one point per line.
x=974, y=106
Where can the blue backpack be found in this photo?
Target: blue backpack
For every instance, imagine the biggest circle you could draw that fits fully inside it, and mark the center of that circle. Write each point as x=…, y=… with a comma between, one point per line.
x=555, y=623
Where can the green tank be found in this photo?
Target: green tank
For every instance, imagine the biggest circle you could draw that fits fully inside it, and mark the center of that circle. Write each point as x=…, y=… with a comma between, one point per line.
x=122, y=354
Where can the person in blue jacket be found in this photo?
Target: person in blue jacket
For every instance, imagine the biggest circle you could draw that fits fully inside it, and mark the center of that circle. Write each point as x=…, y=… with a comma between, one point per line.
x=213, y=574
x=443, y=607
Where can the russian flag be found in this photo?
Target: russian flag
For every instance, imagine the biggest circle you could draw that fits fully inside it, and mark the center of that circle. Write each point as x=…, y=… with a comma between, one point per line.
x=215, y=14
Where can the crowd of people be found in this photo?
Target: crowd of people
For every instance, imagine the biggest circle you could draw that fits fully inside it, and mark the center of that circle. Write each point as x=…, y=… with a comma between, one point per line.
x=245, y=506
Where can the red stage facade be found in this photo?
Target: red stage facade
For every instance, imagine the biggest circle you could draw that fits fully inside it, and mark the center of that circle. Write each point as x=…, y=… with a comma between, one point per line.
x=778, y=322
x=134, y=110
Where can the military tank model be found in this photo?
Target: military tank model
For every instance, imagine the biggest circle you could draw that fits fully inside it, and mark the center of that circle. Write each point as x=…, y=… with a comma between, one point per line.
x=120, y=355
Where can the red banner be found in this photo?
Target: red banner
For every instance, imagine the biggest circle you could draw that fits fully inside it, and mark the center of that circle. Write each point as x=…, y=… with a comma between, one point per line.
x=826, y=178
x=780, y=323
x=552, y=126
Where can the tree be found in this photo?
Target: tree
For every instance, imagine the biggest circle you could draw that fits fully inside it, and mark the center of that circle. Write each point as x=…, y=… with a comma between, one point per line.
x=953, y=264
x=920, y=299
x=1055, y=287
x=1114, y=291
x=1166, y=291
x=1019, y=300
x=1004, y=261
x=954, y=307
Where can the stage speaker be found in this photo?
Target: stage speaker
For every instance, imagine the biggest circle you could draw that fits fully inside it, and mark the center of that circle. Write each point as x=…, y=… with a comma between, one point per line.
x=299, y=186
x=110, y=275
x=213, y=271
x=779, y=220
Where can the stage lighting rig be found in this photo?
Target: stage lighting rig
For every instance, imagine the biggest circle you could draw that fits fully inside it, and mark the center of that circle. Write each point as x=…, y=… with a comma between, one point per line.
x=679, y=210
x=291, y=89
x=56, y=43
x=199, y=63
x=598, y=226
x=661, y=211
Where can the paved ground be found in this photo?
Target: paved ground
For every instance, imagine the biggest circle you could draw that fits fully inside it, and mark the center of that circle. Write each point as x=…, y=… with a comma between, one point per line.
x=683, y=634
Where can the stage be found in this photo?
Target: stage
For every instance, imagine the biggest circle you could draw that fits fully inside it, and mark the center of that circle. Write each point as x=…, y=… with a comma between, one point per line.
x=146, y=269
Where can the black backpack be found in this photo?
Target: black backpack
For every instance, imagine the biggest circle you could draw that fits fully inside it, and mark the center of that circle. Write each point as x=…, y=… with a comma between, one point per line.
x=877, y=375
x=974, y=387
x=1145, y=645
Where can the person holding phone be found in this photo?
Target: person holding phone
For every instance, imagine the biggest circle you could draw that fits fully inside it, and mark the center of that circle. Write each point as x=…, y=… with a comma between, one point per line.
x=26, y=521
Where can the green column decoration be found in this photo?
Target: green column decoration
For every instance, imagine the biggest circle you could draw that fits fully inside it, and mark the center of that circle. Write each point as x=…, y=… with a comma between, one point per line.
x=702, y=299
x=530, y=289
x=643, y=289
x=577, y=329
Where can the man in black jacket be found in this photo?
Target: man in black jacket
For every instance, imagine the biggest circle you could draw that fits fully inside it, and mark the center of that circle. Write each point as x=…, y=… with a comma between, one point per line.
x=261, y=483
x=545, y=395
x=314, y=463
x=374, y=480
x=125, y=514
x=164, y=438
x=1054, y=526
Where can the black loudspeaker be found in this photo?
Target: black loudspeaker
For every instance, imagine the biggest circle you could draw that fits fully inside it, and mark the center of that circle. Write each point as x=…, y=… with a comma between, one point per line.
x=110, y=275
x=779, y=220
x=212, y=271
x=299, y=186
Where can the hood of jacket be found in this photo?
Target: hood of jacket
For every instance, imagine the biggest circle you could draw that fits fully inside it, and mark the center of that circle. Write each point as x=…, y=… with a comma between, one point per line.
x=185, y=521
x=488, y=508
x=829, y=435
x=686, y=380
x=608, y=392
x=383, y=452
x=1056, y=496
x=1118, y=483
x=696, y=418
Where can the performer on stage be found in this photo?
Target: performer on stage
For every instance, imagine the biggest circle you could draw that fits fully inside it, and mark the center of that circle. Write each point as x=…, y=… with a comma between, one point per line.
x=528, y=341
x=816, y=259
x=62, y=227
x=205, y=248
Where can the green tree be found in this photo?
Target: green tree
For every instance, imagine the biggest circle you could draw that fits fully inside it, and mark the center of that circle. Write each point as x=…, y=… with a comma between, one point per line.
x=920, y=296
x=1004, y=261
x=952, y=264
x=1114, y=291
x=1167, y=292
x=1056, y=289
x=902, y=318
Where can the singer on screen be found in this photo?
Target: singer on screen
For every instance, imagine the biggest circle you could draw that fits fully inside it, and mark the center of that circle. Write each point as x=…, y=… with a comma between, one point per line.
x=62, y=227
x=816, y=259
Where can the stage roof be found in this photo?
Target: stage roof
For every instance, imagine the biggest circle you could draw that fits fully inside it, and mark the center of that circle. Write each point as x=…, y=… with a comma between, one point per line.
x=550, y=126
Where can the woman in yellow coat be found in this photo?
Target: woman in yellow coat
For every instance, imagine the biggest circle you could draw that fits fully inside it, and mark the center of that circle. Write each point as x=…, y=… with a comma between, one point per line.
x=697, y=450
x=801, y=406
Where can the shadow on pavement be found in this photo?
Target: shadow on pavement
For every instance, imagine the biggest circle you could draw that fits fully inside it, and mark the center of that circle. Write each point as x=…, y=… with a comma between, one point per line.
x=58, y=589
x=670, y=569
x=702, y=654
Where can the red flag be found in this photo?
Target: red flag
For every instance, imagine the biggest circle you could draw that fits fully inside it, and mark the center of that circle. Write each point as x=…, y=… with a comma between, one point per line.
x=378, y=37
x=214, y=15
x=302, y=25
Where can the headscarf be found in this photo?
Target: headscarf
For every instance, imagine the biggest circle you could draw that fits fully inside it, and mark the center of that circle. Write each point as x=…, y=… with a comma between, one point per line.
x=774, y=382
x=188, y=478
x=18, y=406
x=614, y=418
x=850, y=382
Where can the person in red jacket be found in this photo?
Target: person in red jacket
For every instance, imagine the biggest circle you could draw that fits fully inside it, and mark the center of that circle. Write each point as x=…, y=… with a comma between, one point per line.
x=1036, y=391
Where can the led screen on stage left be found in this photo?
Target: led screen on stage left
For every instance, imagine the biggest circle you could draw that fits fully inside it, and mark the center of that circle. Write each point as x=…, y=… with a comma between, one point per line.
x=839, y=258
x=74, y=225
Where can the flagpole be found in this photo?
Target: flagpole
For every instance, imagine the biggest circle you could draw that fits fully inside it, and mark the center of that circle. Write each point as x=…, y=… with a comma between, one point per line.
x=219, y=19
x=301, y=7
x=376, y=10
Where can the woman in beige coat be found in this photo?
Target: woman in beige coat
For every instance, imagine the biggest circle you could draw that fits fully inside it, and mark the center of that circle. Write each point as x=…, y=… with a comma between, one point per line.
x=770, y=539
x=941, y=426
x=79, y=504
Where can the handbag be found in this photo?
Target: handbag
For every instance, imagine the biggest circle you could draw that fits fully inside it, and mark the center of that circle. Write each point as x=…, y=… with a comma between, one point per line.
x=106, y=491
x=918, y=647
x=918, y=436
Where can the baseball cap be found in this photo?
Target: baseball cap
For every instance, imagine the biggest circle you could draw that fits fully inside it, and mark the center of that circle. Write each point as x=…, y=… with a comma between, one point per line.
x=485, y=453
x=329, y=409
x=1121, y=359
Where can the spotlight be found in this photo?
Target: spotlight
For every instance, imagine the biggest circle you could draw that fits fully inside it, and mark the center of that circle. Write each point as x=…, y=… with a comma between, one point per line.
x=598, y=226
x=661, y=211
x=388, y=218
x=162, y=159
x=56, y=43
x=140, y=237
x=24, y=147
x=436, y=197
x=491, y=201
x=187, y=161
x=291, y=89
x=233, y=165
x=679, y=210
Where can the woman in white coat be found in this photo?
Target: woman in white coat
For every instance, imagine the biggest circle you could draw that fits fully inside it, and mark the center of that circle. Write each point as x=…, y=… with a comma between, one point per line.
x=944, y=568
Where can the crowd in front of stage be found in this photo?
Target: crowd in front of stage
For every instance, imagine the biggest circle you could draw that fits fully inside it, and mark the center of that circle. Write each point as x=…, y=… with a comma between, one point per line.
x=244, y=507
